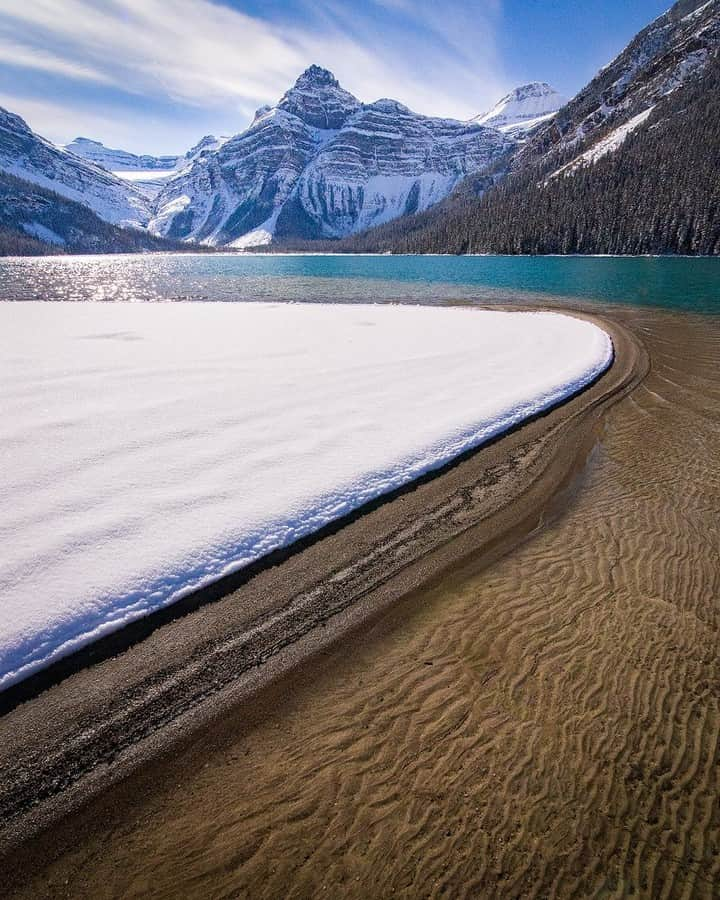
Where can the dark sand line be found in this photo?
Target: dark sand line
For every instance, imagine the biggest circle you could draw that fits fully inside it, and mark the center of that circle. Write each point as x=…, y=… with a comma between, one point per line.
x=98, y=724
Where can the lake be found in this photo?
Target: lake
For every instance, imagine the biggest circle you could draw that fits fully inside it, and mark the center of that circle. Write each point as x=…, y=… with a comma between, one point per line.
x=667, y=282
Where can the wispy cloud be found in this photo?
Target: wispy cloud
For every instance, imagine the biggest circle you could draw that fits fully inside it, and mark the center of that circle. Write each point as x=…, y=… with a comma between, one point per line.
x=437, y=58
x=27, y=57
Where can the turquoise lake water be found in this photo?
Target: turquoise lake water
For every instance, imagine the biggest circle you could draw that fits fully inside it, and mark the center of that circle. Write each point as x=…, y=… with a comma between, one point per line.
x=675, y=283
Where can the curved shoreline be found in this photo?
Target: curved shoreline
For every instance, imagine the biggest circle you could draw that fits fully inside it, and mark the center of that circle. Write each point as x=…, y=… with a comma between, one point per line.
x=56, y=749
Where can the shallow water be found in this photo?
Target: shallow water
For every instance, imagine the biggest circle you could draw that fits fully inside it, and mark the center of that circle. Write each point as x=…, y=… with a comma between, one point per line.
x=671, y=283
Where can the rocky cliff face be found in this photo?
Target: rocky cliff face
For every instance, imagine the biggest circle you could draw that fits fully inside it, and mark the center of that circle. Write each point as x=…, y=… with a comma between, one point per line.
x=26, y=155
x=318, y=100
x=321, y=163
x=385, y=162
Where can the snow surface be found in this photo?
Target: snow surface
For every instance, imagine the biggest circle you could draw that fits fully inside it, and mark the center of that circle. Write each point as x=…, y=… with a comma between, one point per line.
x=144, y=174
x=525, y=125
x=43, y=233
x=259, y=236
x=147, y=449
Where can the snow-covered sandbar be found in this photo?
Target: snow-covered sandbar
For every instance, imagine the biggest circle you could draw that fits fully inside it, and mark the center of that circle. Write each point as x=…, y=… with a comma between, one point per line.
x=148, y=449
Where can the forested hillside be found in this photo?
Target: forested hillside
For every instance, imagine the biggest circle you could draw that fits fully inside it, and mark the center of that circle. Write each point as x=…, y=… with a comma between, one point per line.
x=35, y=221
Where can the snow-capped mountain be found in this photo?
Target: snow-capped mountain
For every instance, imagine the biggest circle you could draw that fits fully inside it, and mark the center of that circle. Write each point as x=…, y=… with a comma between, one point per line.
x=26, y=155
x=523, y=108
x=674, y=49
x=118, y=160
x=321, y=163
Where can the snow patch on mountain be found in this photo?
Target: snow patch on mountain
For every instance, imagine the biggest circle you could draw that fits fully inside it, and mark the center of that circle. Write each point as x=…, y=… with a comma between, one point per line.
x=609, y=144
x=43, y=233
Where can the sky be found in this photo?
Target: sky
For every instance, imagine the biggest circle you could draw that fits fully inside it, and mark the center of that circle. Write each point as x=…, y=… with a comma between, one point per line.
x=154, y=76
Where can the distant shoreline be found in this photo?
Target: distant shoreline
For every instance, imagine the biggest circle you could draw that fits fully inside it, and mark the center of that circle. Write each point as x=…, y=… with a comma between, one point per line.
x=194, y=250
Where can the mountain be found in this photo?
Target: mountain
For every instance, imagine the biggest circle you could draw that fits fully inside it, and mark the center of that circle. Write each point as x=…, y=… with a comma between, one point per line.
x=629, y=166
x=35, y=220
x=523, y=109
x=321, y=164
x=118, y=160
x=28, y=156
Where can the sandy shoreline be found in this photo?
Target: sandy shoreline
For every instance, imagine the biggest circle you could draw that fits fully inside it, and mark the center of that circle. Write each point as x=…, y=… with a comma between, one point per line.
x=55, y=750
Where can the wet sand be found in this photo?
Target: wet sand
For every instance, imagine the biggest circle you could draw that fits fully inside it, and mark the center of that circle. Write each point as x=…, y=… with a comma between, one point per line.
x=542, y=722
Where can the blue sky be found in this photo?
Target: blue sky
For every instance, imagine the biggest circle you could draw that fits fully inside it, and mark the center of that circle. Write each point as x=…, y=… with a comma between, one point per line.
x=155, y=75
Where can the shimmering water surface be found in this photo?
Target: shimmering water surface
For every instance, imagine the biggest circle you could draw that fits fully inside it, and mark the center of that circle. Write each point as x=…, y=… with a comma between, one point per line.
x=672, y=283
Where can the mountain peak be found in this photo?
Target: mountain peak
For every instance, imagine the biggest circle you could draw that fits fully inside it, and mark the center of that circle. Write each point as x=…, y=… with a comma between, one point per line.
x=316, y=76
x=12, y=121
x=318, y=99
x=525, y=106
x=531, y=89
